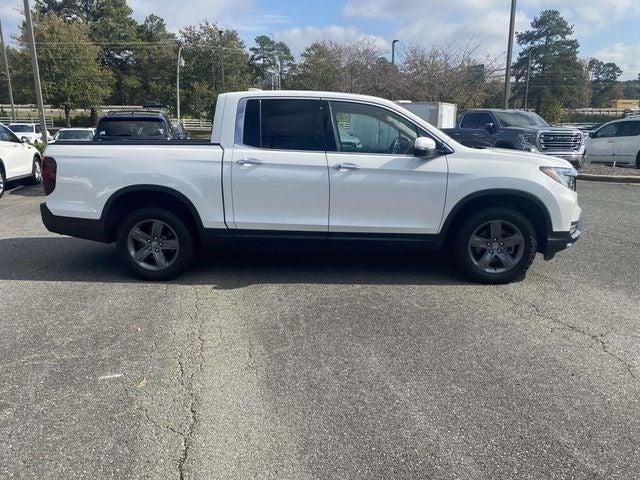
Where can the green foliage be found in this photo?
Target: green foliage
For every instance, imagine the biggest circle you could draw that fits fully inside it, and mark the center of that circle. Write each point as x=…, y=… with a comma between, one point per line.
x=603, y=78
x=71, y=75
x=271, y=62
x=558, y=77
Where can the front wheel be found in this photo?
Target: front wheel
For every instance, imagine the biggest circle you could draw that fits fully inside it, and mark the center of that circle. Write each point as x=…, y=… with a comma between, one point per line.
x=155, y=244
x=3, y=181
x=496, y=245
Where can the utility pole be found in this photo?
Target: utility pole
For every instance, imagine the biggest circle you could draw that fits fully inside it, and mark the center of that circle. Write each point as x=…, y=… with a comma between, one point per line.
x=178, y=80
x=507, y=74
x=36, y=70
x=6, y=71
x=526, y=90
x=393, y=52
x=221, y=32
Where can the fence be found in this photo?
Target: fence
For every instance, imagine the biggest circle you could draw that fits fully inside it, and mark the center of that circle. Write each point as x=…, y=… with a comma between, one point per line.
x=26, y=119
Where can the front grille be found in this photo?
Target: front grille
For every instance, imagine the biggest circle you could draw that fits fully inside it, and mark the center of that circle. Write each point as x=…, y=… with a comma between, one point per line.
x=558, y=141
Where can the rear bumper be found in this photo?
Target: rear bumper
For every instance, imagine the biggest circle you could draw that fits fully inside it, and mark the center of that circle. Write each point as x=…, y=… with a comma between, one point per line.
x=75, y=227
x=558, y=241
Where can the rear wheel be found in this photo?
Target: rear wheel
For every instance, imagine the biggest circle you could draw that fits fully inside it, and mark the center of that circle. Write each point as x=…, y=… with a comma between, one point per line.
x=155, y=244
x=496, y=245
x=3, y=181
x=638, y=160
x=36, y=171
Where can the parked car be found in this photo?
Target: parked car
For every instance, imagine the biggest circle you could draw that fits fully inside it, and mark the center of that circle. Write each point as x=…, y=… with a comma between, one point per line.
x=137, y=125
x=278, y=169
x=74, y=135
x=616, y=142
x=31, y=131
x=18, y=160
x=518, y=130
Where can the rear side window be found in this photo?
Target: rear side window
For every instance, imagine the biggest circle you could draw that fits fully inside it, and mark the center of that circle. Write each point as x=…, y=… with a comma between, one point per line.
x=283, y=124
x=470, y=120
x=628, y=129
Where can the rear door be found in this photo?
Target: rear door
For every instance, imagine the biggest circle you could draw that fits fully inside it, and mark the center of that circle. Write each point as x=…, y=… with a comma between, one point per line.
x=279, y=173
x=468, y=129
x=627, y=141
x=600, y=145
x=14, y=154
x=378, y=187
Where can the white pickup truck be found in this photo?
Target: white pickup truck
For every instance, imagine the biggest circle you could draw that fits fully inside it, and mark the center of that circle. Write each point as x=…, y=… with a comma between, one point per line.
x=301, y=166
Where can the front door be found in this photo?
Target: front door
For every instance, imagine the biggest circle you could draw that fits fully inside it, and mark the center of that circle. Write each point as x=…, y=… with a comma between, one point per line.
x=377, y=184
x=279, y=174
x=600, y=144
x=16, y=158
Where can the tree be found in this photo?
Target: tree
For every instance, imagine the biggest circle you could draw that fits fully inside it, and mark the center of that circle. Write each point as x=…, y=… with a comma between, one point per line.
x=320, y=67
x=271, y=62
x=603, y=79
x=71, y=74
x=558, y=78
x=203, y=66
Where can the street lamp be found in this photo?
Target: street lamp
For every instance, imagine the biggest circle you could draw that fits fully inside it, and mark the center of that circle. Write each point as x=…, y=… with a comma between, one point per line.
x=393, y=52
x=6, y=69
x=507, y=73
x=221, y=32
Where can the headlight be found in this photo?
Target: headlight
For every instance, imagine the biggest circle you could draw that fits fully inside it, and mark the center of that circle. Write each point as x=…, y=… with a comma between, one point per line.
x=528, y=138
x=565, y=176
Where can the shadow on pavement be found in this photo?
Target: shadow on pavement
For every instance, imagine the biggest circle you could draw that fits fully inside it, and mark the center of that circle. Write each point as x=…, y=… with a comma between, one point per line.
x=68, y=259
x=26, y=190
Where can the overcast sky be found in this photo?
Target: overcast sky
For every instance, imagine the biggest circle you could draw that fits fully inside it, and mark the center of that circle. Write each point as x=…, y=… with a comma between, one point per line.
x=606, y=29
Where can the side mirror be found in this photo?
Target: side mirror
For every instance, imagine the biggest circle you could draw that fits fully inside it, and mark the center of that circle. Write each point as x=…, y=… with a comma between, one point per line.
x=591, y=134
x=425, y=147
x=489, y=127
x=24, y=140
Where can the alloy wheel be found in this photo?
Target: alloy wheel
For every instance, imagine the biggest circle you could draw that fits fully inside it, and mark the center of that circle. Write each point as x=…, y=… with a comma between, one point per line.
x=153, y=245
x=496, y=246
x=37, y=171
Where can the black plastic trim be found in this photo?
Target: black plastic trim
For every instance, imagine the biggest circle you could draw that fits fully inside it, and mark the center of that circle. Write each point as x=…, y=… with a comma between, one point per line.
x=76, y=227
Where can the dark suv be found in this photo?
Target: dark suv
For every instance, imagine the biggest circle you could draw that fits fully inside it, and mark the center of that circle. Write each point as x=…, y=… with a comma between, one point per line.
x=518, y=130
x=138, y=125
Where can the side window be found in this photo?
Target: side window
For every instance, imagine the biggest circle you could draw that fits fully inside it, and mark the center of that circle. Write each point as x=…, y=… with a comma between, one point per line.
x=7, y=135
x=483, y=119
x=628, y=129
x=251, y=128
x=289, y=124
x=607, y=131
x=470, y=120
x=370, y=129
x=37, y=129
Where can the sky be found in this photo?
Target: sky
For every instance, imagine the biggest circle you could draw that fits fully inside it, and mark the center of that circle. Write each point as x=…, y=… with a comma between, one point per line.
x=607, y=29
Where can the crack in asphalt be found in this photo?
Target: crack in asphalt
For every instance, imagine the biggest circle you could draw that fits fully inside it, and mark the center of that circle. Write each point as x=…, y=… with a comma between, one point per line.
x=598, y=339
x=187, y=382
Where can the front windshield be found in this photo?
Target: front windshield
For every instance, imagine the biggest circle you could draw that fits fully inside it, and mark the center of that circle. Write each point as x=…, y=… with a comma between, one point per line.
x=75, y=135
x=21, y=128
x=521, y=119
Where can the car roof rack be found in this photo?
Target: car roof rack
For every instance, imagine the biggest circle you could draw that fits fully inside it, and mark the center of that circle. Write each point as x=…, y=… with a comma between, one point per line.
x=112, y=113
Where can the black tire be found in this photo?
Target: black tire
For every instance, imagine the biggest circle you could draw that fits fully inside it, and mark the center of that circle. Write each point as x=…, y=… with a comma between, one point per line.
x=522, y=255
x=174, y=229
x=3, y=181
x=36, y=172
x=638, y=160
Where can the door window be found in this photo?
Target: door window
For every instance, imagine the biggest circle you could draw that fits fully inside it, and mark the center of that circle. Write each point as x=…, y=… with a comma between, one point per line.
x=483, y=119
x=628, y=129
x=470, y=120
x=370, y=129
x=7, y=135
x=607, y=131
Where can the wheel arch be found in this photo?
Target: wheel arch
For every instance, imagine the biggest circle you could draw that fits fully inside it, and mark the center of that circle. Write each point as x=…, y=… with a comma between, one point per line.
x=522, y=201
x=124, y=201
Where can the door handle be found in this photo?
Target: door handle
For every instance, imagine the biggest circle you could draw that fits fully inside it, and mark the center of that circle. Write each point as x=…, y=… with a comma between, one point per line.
x=346, y=166
x=609, y=141
x=249, y=161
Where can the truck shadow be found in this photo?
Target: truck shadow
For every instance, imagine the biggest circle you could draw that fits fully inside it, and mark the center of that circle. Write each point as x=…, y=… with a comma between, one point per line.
x=65, y=259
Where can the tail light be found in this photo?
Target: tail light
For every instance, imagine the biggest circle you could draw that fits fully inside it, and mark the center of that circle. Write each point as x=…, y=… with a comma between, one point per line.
x=49, y=172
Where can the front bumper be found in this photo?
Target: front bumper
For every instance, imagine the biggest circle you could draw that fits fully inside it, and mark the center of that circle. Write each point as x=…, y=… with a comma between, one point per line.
x=75, y=227
x=558, y=241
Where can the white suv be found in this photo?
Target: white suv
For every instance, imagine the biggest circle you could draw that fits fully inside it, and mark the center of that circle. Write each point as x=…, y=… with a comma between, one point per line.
x=31, y=131
x=17, y=159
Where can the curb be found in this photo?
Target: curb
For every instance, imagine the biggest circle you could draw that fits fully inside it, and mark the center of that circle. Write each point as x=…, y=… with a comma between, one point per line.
x=609, y=178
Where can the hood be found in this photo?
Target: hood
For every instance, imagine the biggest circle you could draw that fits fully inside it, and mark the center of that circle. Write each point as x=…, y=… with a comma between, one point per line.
x=536, y=159
x=536, y=129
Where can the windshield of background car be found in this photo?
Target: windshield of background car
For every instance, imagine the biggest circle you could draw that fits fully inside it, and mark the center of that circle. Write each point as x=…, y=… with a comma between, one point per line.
x=21, y=128
x=75, y=135
x=128, y=128
x=521, y=119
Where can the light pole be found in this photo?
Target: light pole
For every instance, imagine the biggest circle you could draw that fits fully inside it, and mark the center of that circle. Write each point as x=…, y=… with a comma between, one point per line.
x=36, y=70
x=221, y=32
x=507, y=74
x=6, y=70
x=393, y=52
x=178, y=65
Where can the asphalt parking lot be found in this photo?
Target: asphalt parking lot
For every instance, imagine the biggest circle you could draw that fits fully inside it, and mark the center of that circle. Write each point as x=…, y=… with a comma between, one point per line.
x=320, y=365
